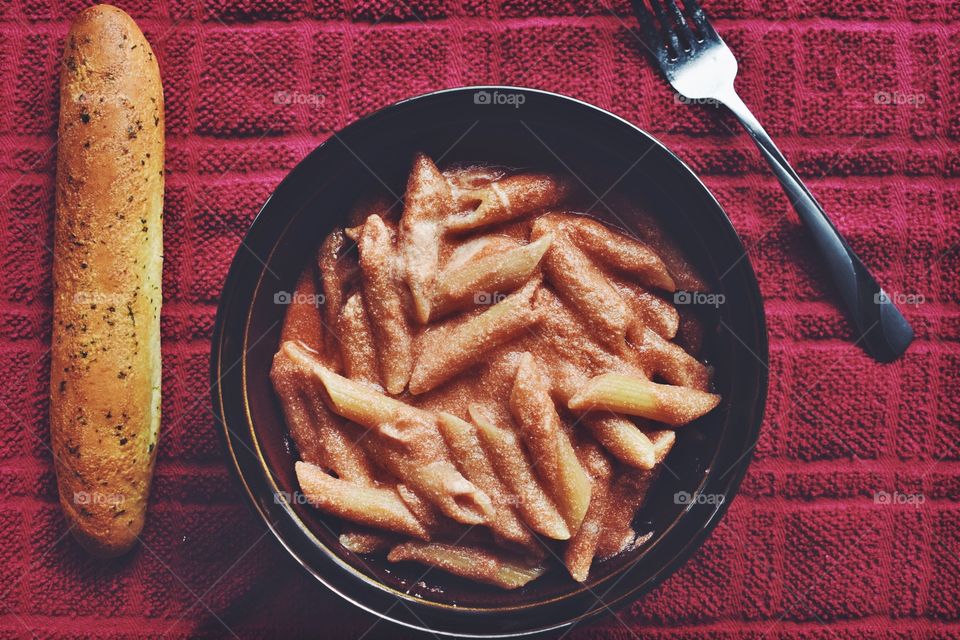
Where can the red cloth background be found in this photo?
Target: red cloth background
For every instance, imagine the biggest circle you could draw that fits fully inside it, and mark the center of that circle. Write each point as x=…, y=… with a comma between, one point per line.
x=864, y=97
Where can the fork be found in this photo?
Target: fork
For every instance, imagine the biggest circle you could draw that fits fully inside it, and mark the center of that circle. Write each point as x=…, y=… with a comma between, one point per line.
x=700, y=66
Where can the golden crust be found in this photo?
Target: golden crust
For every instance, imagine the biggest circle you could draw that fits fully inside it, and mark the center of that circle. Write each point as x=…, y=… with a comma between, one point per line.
x=105, y=380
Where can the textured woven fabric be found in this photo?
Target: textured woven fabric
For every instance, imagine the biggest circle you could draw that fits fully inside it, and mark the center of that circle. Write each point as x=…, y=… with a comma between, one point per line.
x=847, y=524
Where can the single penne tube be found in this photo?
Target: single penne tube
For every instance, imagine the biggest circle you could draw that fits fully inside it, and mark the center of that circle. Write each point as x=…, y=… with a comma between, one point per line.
x=554, y=458
x=382, y=296
x=513, y=465
x=337, y=270
x=623, y=439
x=446, y=351
x=510, y=198
x=466, y=180
x=322, y=437
x=473, y=462
x=353, y=400
x=635, y=396
x=478, y=248
x=578, y=556
x=357, y=348
x=427, y=202
x=621, y=252
x=670, y=361
x=365, y=541
x=663, y=441
x=378, y=507
x=577, y=278
x=649, y=310
x=474, y=563
x=482, y=279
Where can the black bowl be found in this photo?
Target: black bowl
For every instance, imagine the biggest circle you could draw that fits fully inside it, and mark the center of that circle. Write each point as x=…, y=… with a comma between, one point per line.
x=522, y=128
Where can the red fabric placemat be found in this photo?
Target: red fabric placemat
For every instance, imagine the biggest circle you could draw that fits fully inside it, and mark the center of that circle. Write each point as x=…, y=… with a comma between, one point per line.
x=863, y=98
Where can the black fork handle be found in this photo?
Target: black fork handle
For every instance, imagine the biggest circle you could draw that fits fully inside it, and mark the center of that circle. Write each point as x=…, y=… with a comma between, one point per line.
x=880, y=327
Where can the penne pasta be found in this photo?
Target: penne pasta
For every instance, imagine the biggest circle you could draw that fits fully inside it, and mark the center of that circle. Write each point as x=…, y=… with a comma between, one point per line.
x=355, y=401
x=372, y=506
x=473, y=462
x=671, y=362
x=447, y=351
x=513, y=465
x=579, y=553
x=482, y=279
x=321, y=437
x=574, y=354
x=336, y=273
x=430, y=516
x=465, y=180
x=474, y=563
x=510, y=198
x=438, y=481
x=633, y=396
x=578, y=280
x=407, y=442
x=644, y=227
x=357, y=348
x=364, y=541
x=623, y=439
x=663, y=441
x=553, y=456
x=384, y=305
x=648, y=310
x=621, y=252
x=354, y=232
x=479, y=293
x=427, y=202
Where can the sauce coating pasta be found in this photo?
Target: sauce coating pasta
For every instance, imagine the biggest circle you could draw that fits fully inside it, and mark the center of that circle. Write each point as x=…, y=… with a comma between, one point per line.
x=496, y=374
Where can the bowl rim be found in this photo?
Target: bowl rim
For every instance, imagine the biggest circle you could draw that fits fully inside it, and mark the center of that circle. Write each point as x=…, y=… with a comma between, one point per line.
x=733, y=475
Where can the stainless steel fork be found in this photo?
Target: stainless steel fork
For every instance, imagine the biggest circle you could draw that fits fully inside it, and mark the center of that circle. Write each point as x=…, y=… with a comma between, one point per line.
x=700, y=66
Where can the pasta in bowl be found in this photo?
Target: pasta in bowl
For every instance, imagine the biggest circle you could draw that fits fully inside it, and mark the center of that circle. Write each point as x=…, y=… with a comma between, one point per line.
x=494, y=377
x=465, y=490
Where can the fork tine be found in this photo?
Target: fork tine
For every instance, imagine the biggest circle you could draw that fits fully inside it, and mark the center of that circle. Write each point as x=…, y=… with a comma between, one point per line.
x=667, y=27
x=699, y=19
x=651, y=36
x=681, y=23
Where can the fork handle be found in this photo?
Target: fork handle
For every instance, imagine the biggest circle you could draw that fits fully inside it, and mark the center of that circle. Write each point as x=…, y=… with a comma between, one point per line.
x=881, y=327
